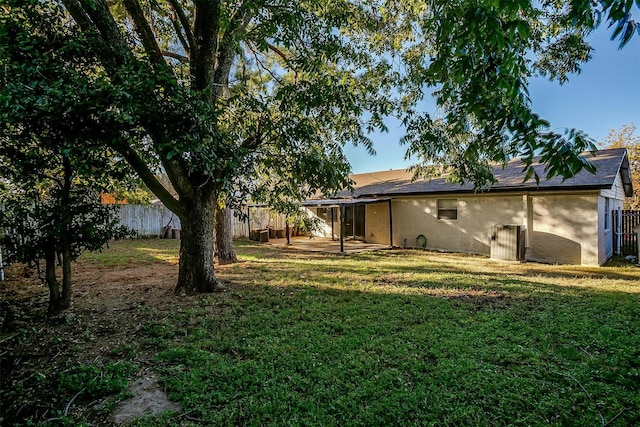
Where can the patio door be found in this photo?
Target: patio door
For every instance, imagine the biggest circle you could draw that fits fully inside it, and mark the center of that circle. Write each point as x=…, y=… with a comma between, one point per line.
x=353, y=222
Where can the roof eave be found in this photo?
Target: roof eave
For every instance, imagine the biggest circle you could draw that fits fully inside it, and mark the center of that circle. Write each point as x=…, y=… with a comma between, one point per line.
x=514, y=189
x=625, y=175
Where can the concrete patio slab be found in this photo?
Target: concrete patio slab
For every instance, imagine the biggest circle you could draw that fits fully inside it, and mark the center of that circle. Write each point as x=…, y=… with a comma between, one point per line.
x=326, y=245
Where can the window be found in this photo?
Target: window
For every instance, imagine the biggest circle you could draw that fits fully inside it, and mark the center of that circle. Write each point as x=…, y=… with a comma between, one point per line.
x=447, y=208
x=607, y=212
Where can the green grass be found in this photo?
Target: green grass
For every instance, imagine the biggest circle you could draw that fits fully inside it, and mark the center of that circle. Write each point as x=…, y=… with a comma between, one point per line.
x=91, y=381
x=402, y=338
x=136, y=252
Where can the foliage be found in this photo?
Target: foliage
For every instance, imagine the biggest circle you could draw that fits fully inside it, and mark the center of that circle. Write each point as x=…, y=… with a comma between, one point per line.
x=626, y=137
x=33, y=220
x=479, y=62
x=47, y=219
x=48, y=160
x=618, y=14
x=132, y=194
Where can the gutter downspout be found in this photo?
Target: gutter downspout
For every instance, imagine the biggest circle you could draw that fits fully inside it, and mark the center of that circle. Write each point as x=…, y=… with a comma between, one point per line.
x=619, y=232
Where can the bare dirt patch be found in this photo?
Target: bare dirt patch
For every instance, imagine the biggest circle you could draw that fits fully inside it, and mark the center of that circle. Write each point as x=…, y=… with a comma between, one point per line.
x=148, y=399
x=109, y=307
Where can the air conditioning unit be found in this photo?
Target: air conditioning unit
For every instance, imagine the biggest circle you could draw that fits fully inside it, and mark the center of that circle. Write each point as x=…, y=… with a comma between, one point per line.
x=508, y=242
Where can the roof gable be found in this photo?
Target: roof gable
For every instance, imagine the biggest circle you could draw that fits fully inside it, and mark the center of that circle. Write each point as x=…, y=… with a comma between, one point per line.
x=608, y=164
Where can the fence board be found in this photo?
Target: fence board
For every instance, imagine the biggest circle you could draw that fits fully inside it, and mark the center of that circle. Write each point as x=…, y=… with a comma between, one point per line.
x=151, y=220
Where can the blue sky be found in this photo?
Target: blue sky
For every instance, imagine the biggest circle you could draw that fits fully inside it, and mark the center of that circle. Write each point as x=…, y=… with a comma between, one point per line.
x=604, y=96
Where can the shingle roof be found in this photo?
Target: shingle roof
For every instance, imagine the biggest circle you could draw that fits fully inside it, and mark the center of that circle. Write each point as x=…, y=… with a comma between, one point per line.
x=608, y=163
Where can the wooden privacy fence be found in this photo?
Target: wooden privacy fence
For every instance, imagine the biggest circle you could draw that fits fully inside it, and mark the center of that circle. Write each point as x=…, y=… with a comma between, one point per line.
x=148, y=220
x=152, y=220
x=625, y=237
x=239, y=226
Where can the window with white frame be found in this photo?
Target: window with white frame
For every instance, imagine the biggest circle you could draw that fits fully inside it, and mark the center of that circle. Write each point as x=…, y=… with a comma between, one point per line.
x=448, y=209
x=607, y=213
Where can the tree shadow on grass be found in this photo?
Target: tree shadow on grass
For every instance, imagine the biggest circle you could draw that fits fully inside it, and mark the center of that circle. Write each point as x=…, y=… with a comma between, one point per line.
x=316, y=354
x=376, y=273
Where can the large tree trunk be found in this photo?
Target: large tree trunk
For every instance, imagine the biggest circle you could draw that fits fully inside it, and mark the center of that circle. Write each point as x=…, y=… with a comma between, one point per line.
x=224, y=236
x=65, y=239
x=196, y=273
x=51, y=279
x=65, y=296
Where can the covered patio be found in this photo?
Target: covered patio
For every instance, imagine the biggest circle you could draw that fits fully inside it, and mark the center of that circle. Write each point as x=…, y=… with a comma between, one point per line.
x=326, y=245
x=332, y=245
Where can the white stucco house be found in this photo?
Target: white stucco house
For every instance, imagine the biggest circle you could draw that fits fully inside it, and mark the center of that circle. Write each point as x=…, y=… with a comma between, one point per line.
x=557, y=221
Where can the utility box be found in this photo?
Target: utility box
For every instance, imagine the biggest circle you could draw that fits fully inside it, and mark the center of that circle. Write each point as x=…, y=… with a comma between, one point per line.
x=508, y=242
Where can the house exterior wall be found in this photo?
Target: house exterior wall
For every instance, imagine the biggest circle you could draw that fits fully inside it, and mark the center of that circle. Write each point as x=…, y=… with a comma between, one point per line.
x=376, y=223
x=616, y=191
x=470, y=232
x=564, y=228
x=605, y=231
x=561, y=228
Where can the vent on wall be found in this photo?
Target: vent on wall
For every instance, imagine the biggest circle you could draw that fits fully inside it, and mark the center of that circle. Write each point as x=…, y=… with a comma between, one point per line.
x=507, y=242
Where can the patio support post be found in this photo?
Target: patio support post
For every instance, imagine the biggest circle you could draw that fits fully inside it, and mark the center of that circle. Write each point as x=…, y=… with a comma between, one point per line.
x=332, y=230
x=390, y=226
x=248, y=222
x=287, y=232
x=341, y=227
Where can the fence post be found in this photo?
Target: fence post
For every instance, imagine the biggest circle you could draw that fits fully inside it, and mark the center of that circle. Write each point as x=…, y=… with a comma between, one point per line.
x=637, y=231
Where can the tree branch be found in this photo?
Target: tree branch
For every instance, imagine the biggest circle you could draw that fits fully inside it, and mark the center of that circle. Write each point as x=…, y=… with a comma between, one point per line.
x=284, y=58
x=183, y=42
x=254, y=141
x=179, y=177
x=144, y=31
x=174, y=55
x=206, y=28
x=140, y=166
x=186, y=25
x=226, y=50
x=101, y=22
x=77, y=13
x=264, y=67
x=177, y=173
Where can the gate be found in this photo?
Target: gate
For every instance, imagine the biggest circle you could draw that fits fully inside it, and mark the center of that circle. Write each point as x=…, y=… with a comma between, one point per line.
x=624, y=237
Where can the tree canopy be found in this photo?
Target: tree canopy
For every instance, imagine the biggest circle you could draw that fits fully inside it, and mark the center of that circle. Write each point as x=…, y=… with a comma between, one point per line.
x=230, y=98
x=52, y=158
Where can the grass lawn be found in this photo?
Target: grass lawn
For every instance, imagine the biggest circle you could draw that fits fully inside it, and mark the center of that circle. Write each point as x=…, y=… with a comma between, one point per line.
x=383, y=338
